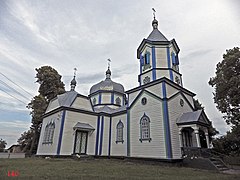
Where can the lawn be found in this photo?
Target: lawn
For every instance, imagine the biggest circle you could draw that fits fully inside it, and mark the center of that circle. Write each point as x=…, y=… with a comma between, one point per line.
x=37, y=168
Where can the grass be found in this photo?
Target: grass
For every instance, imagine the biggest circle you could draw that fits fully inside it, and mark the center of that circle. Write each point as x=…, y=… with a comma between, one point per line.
x=37, y=168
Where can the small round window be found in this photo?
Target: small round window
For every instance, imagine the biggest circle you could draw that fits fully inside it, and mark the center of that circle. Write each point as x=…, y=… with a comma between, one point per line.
x=181, y=102
x=144, y=101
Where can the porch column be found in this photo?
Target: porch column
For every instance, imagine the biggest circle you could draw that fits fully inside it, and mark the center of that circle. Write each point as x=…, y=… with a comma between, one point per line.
x=196, y=131
x=180, y=137
x=207, y=139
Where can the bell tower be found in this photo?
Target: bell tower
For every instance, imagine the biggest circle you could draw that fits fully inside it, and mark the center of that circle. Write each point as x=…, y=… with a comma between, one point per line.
x=158, y=57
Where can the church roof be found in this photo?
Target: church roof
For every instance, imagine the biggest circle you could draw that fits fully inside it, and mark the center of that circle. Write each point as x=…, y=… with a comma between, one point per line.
x=194, y=117
x=67, y=98
x=107, y=85
x=156, y=35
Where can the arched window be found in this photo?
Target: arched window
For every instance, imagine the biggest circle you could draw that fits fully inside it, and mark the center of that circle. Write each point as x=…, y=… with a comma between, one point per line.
x=45, y=134
x=118, y=101
x=119, y=135
x=145, y=128
x=49, y=132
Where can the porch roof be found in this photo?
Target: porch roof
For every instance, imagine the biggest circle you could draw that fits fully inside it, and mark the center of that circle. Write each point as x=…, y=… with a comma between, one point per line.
x=84, y=126
x=195, y=117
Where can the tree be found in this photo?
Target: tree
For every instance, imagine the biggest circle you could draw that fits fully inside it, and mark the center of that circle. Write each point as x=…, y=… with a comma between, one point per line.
x=3, y=144
x=50, y=82
x=226, y=85
x=229, y=144
x=50, y=86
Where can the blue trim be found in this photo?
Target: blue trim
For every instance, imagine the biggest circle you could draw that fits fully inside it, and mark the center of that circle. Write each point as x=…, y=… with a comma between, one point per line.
x=100, y=98
x=141, y=63
x=128, y=132
x=166, y=123
x=97, y=136
x=61, y=133
x=110, y=137
x=101, y=137
x=112, y=98
x=169, y=64
x=154, y=63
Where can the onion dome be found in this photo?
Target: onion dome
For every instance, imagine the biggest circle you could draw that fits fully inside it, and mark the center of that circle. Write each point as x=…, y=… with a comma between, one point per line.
x=107, y=85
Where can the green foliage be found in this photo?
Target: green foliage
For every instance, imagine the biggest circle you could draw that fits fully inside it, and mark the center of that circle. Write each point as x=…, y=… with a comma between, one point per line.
x=226, y=85
x=50, y=86
x=3, y=144
x=197, y=105
x=230, y=143
x=50, y=82
x=25, y=140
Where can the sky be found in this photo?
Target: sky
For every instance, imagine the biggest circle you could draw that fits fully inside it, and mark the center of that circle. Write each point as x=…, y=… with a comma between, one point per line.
x=68, y=34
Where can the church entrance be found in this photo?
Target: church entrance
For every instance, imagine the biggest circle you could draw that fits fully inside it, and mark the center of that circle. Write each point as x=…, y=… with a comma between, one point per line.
x=187, y=137
x=80, y=146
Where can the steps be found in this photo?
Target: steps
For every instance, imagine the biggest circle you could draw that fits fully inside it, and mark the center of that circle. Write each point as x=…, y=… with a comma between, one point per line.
x=219, y=164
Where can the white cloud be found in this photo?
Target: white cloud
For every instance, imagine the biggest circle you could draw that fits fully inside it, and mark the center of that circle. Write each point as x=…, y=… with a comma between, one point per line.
x=84, y=35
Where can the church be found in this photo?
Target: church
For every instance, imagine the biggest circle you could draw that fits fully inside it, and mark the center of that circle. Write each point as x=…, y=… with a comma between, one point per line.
x=155, y=120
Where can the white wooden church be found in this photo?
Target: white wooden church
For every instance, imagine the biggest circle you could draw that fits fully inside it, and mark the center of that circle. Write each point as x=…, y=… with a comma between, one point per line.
x=154, y=120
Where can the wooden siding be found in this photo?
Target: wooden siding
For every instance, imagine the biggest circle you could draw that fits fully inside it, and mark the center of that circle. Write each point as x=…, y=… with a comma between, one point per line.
x=170, y=90
x=50, y=149
x=190, y=99
x=161, y=57
x=156, y=89
x=105, y=139
x=106, y=98
x=82, y=103
x=68, y=138
x=156, y=147
x=162, y=73
x=132, y=96
x=175, y=111
x=119, y=149
x=53, y=105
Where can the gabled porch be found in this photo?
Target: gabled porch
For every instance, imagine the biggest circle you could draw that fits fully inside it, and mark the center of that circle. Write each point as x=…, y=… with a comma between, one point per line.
x=194, y=130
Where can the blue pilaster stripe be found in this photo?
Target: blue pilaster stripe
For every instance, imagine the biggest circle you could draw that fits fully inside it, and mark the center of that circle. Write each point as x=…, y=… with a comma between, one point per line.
x=100, y=98
x=110, y=137
x=101, y=137
x=61, y=133
x=97, y=136
x=141, y=64
x=153, y=63
x=169, y=64
x=166, y=123
x=112, y=98
x=128, y=132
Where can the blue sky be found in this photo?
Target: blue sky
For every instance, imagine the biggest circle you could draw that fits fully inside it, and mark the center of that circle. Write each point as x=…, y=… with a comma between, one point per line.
x=84, y=34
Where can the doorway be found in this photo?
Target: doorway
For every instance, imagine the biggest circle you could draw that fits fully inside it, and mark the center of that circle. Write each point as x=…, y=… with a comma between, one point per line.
x=80, y=146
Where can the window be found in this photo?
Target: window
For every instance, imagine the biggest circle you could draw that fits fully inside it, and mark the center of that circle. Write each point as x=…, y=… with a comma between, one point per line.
x=146, y=61
x=94, y=101
x=145, y=128
x=147, y=58
x=48, y=134
x=119, y=136
x=118, y=101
